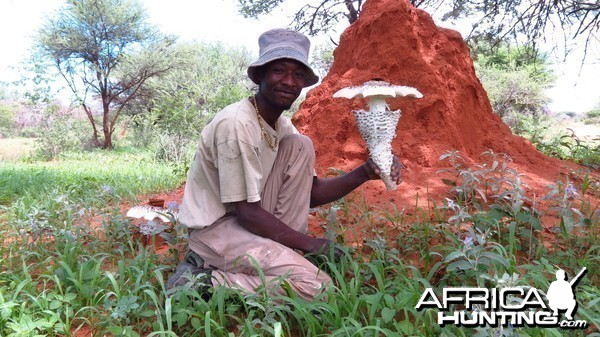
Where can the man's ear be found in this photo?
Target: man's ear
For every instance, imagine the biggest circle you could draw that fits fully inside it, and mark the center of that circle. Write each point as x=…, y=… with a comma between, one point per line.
x=260, y=73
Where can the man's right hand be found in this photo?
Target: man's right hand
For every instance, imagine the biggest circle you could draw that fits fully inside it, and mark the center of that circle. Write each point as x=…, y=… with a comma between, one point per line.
x=260, y=222
x=326, y=248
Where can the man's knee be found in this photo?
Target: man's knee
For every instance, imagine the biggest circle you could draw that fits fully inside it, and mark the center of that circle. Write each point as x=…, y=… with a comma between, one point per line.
x=309, y=286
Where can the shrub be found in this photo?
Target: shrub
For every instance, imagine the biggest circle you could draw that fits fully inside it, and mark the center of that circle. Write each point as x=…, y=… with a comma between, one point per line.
x=592, y=117
x=59, y=132
x=513, y=94
x=7, y=120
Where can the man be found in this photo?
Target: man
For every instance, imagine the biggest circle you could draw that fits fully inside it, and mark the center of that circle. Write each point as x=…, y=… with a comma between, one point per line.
x=252, y=181
x=561, y=295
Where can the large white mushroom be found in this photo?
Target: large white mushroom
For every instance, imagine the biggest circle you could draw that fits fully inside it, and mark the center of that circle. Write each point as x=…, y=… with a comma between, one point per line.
x=151, y=212
x=377, y=126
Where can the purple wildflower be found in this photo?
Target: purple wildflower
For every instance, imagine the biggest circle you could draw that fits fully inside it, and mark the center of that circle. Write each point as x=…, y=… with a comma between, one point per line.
x=173, y=205
x=468, y=242
x=571, y=191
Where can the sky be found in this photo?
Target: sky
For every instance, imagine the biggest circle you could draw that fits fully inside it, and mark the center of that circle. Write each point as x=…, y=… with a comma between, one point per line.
x=576, y=88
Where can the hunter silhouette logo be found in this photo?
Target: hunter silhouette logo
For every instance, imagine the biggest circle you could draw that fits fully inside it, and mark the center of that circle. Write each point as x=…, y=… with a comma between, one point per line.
x=514, y=306
x=561, y=294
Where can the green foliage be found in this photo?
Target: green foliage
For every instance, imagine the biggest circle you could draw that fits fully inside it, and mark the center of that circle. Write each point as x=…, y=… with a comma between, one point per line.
x=38, y=82
x=565, y=196
x=71, y=260
x=567, y=146
x=4, y=91
x=58, y=132
x=122, y=175
x=515, y=80
x=105, y=50
x=510, y=58
x=7, y=120
x=519, y=22
x=493, y=196
x=593, y=116
x=322, y=58
x=252, y=9
x=473, y=186
x=474, y=255
x=208, y=78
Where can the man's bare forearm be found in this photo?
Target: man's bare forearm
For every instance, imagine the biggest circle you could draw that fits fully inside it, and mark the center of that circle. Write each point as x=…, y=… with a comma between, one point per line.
x=260, y=222
x=326, y=190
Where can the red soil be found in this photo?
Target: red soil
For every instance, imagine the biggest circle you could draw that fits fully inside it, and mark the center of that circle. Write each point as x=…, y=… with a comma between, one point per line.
x=402, y=45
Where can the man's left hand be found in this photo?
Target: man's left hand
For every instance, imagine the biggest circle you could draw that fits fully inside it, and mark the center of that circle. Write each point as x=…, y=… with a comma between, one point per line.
x=373, y=170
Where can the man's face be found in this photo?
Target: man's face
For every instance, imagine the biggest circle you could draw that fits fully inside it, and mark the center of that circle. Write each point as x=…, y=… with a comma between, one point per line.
x=282, y=81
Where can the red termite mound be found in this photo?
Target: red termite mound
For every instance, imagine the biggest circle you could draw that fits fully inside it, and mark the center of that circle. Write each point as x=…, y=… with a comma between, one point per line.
x=396, y=42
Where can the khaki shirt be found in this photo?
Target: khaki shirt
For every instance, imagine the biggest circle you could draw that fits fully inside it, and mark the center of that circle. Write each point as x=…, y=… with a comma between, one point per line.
x=232, y=163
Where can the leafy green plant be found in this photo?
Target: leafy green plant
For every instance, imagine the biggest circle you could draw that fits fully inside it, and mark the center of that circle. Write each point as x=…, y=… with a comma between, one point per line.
x=592, y=116
x=565, y=196
x=475, y=256
x=494, y=197
x=568, y=146
x=58, y=132
x=87, y=267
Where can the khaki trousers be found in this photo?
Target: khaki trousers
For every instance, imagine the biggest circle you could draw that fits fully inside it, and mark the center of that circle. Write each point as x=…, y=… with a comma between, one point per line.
x=240, y=257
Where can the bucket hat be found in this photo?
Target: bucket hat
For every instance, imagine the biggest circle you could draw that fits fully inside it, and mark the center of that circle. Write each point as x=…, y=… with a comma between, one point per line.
x=278, y=44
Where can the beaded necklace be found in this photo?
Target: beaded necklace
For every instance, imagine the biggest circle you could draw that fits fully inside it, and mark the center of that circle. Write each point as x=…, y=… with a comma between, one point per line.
x=265, y=135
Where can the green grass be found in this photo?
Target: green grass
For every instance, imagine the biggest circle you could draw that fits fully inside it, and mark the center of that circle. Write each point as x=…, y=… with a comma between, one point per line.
x=86, y=176
x=569, y=140
x=63, y=269
x=15, y=148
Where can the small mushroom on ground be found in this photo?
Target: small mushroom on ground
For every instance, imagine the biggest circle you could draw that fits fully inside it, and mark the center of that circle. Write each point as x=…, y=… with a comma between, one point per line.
x=377, y=126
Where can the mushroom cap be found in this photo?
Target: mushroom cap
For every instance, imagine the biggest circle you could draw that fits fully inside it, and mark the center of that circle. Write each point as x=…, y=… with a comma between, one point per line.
x=151, y=213
x=380, y=89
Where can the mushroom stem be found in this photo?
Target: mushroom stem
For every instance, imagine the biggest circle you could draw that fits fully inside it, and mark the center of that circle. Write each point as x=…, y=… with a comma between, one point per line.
x=377, y=104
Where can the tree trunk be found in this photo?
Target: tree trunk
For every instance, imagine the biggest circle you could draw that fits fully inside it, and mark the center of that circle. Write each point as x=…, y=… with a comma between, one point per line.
x=107, y=140
x=107, y=130
x=95, y=140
